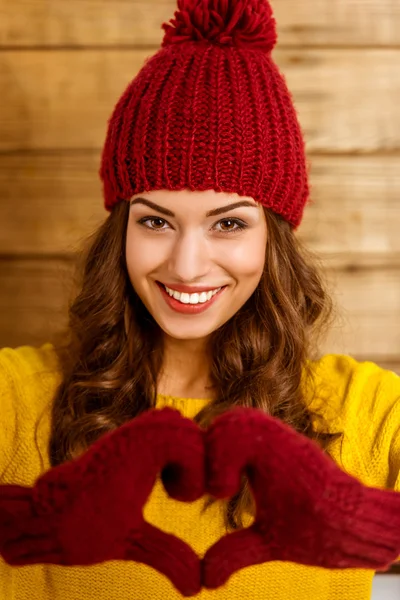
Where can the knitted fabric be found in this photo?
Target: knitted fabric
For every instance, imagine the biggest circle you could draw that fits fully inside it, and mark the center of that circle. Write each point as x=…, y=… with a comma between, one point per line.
x=210, y=110
x=307, y=510
x=89, y=510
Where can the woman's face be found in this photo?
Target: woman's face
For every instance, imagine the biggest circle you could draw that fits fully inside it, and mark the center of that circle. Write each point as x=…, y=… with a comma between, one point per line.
x=178, y=244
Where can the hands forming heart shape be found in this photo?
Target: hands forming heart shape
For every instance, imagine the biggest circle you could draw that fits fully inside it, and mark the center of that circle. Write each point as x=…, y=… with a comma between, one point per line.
x=90, y=510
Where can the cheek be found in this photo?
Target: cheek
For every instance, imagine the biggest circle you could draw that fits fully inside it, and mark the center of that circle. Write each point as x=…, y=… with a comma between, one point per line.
x=247, y=260
x=141, y=257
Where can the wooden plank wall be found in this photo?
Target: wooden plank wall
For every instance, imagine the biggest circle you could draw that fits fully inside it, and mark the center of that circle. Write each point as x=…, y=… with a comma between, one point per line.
x=63, y=66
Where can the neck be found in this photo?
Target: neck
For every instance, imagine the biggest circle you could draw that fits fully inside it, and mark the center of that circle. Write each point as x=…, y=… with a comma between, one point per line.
x=185, y=371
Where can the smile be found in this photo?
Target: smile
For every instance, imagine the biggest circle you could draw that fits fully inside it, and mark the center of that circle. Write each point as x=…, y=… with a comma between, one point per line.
x=189, y=303
x=195, y=298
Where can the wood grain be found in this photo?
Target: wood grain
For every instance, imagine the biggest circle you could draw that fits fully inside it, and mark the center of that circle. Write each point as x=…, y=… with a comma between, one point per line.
x=138, y=22
x=35, y=295
x=346, y=100
x=64, y=65
x=52, y=200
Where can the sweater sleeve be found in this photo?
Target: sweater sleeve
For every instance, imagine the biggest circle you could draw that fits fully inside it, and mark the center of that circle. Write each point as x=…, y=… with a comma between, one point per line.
x=394, y=452
x=27, y=383
x=394, y=455
x=369, y=403
x=8, y=426
x=378, y=427
x=383, y=415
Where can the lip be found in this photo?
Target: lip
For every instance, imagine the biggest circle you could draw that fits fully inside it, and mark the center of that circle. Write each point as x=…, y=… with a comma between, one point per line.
x=188, y=309
x=189, y=289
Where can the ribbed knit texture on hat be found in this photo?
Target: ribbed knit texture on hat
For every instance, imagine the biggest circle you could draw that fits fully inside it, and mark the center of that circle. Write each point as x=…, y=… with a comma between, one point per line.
x=210, y=110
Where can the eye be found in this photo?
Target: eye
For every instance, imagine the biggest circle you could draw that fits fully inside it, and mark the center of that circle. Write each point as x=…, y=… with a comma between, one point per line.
x=146, y=219
x=240, y=225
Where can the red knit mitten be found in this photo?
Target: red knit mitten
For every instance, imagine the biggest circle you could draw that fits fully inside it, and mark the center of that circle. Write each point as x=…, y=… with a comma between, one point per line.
x=89, y=510
x=307, y=509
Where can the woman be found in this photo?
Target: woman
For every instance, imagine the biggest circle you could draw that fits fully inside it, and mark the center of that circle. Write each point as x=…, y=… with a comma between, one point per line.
x=197, y=295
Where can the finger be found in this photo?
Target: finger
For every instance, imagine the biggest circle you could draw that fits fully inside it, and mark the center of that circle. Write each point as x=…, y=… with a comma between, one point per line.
x=229, y=444
x=231, y=553
x=31, y=552
x=173, y=445
x=168, y=555
x=15, y=502
x=15, y=510
x=184, y=475
x=163, y=441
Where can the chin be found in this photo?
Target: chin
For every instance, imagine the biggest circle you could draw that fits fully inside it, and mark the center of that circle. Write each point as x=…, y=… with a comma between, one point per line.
x=186, y=333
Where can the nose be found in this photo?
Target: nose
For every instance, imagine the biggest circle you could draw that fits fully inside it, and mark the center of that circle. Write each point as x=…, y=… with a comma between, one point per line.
x=190, y=257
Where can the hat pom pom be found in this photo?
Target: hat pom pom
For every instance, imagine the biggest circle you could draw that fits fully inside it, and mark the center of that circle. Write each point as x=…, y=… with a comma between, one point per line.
x=246, y=23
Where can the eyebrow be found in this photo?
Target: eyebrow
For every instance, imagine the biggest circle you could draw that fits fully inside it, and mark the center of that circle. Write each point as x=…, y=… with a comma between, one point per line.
x=211, y=213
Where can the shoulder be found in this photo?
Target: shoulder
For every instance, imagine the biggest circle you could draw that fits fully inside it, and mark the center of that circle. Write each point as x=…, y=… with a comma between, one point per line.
x=28, y=360
x=28, y=380
x=356, y=388
x=362, y=399
x=22, y=368
x=25, y=374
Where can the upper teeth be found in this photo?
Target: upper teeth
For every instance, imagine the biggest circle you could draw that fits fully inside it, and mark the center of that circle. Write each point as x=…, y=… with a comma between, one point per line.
x=192, y=298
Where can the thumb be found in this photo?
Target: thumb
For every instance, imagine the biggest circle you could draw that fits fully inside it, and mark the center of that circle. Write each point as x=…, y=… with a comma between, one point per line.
x=231, y=553
x=229, y=449
x=168, y=554
x=183, y=475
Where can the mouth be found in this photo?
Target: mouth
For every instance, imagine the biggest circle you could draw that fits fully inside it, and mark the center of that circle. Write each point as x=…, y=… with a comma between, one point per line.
x=195, y=291
x=187, y=307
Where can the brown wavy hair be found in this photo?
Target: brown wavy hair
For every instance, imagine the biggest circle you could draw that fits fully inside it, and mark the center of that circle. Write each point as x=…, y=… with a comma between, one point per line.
x=111, y=352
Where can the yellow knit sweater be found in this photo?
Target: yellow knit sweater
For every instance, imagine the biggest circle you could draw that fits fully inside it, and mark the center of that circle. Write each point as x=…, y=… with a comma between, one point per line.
x=360, y=399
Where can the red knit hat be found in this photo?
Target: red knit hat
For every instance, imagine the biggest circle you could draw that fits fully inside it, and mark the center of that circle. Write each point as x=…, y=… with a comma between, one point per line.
x=210, y=110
